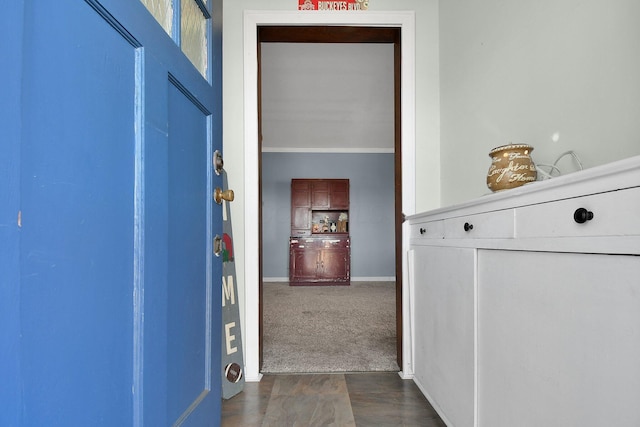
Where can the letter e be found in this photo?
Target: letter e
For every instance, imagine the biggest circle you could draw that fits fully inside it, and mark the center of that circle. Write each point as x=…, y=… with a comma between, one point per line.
x=229, y=338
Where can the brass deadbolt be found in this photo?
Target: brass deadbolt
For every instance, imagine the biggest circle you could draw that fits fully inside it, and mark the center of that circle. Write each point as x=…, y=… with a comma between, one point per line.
x=218, y=163
x=217, y=245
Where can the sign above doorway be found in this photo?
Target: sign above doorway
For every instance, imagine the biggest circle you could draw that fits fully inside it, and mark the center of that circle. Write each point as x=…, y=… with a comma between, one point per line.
x=333, y=5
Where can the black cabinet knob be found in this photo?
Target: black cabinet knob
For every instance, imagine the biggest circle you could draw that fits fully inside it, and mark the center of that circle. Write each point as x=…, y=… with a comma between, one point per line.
x=467, y=226
x=581, y=215
x=423, y=230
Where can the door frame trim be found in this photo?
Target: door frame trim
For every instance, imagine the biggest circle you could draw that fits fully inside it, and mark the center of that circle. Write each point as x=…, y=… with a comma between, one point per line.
x=405, y=20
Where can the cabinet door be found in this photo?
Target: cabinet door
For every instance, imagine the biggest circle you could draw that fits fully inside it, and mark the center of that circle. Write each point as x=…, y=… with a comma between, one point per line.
x=334, y=264
x=300, y=193
x=300, y=221
x=320, y=194
x=339, y=194
x=558, y=339
x=300, y=207
x=304, y=262
x=444, y=330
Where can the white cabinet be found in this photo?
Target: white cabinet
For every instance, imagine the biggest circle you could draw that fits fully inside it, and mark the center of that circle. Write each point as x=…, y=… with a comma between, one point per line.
x=428, y=230
x=493, y=225
x=527, y=303
x=558, y=339
x=444, y=340
x=614, y=213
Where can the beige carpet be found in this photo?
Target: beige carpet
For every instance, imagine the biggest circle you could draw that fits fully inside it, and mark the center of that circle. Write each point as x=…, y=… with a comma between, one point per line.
x=324, y=329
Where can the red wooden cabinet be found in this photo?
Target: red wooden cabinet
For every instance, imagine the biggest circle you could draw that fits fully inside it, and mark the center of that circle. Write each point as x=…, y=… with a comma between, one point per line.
x=339, y=194
x=320, y=198
x=319, y=260
x=319, y=247
x=300, y=207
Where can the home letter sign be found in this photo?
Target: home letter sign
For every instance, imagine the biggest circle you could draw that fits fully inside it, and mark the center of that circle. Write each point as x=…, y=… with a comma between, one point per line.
x=232, y=357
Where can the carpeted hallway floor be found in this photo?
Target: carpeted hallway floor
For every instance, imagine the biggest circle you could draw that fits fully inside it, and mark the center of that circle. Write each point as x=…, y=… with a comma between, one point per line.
x=323, y=329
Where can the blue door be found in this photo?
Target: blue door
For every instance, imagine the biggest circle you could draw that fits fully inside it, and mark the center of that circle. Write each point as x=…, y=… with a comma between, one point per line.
x=111, y=301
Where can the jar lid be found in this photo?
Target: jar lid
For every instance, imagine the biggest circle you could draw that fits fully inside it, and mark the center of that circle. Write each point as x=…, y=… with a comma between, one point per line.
x=511, y=147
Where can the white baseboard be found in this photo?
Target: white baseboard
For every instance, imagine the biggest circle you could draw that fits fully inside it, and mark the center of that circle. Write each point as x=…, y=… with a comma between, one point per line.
x=353, y=279
x=374, y=279
x=405, y=376
x=431, y=401
x=275, y=279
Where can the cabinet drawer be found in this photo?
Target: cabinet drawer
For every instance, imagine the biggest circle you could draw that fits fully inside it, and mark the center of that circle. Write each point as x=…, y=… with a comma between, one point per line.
x=428, y=230
x=334, y=243
x=614, y=214
x=319, y=243
x=491, y=225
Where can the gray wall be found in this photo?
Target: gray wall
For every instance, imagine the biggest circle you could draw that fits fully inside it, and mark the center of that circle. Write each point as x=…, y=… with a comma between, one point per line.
x=371, y=213
x=559, y=75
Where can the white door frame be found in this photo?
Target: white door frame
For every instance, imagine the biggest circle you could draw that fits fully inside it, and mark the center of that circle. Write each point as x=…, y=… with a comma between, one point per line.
x=405, y=20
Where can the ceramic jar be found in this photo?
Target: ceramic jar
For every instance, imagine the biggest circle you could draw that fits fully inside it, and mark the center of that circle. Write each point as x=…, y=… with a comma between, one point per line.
x=511, y=166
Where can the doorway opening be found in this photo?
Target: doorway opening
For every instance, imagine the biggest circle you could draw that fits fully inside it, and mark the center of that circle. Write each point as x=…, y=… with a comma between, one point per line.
x=343, y=34
x=406, y=21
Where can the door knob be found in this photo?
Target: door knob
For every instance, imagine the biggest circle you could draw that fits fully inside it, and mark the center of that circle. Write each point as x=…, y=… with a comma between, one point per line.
x=220, y=195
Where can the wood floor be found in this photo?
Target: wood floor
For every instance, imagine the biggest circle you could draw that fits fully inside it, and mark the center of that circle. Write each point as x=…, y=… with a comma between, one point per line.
x=360, y=399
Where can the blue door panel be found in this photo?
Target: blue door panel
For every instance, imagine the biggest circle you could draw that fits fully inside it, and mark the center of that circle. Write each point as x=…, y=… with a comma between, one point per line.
x=188, y=332
x=116, y=296
x=77, y=219
x=156, y=258
x=11, y=32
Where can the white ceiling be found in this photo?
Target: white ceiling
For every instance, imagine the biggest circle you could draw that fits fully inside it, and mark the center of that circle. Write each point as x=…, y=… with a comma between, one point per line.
x=327, y=97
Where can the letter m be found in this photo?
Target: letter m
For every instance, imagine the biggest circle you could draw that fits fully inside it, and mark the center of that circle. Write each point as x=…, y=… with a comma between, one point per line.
x=227, y=291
